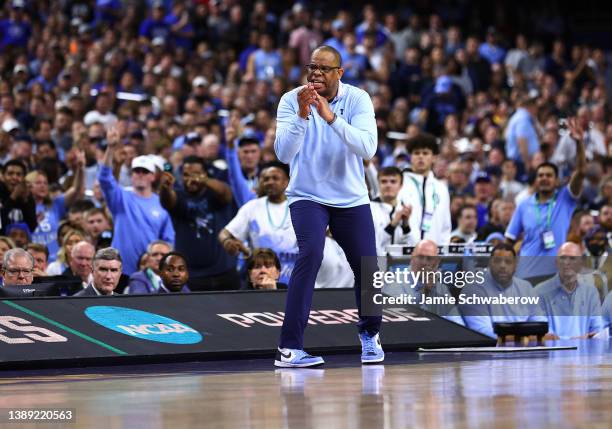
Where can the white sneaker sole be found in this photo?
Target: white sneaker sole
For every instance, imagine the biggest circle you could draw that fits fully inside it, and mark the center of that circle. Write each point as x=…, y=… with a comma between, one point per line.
x=282, y=364
x=378, y=360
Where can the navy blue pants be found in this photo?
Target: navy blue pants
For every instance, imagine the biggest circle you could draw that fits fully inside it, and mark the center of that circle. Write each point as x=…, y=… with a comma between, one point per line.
x=353, y=229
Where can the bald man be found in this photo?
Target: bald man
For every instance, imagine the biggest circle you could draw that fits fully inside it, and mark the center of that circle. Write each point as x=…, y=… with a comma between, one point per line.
x=425, y=258
x=571, y=303
x=80, y=264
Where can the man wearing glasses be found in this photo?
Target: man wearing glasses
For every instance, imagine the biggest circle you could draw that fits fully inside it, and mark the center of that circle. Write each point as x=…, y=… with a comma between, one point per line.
x=18, y=267
x=325, y=130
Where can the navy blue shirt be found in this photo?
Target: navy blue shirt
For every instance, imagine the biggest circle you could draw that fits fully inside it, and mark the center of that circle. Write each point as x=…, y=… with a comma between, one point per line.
x=197, y=222
x=14, y=33
x=152, y=29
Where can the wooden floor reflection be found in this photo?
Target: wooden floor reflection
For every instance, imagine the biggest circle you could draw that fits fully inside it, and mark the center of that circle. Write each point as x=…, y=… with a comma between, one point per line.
x=560, y=389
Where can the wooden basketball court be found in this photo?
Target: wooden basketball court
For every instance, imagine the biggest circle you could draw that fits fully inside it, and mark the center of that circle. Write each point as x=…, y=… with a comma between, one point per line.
x=562, y=389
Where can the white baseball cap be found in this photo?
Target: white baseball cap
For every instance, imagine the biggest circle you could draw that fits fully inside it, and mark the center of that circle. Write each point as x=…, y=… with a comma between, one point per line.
x=144, y=161
x=10, y=124
x=158, y=161
x=199, y=81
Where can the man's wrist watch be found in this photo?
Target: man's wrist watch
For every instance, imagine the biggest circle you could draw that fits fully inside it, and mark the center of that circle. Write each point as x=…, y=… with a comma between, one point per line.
x=333, y=119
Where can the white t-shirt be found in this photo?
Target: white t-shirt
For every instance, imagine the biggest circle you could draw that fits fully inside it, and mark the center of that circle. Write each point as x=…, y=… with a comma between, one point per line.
x=265, y=224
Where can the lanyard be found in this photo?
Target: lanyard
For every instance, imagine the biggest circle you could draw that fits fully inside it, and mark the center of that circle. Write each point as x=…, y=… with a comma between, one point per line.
x=418, y=186
x=550, y=206
x=279, y=226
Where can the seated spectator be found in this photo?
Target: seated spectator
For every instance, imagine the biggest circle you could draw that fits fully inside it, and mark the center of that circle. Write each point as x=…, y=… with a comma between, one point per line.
x=40, y=253
x=581, y=223
x=572, y=305
x=597, y=252
x=106, y=273
x=500, y=214
x=76, y=212
x=79, y=264
x=148, y=280
x=17, y=267
x=425, y=259
x=390, y=215
x=466, y=230
x=19, y=233
x=70, y=238
x=263, y=270
x=500, y=281
x=174, y=273
x=6, y=244
x=96, y=222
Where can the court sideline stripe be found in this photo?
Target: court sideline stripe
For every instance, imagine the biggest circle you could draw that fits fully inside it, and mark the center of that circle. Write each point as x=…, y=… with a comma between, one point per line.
x=65, y=328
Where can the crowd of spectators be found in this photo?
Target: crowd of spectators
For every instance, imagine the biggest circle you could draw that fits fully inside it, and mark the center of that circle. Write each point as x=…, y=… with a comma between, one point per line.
x=151, y=124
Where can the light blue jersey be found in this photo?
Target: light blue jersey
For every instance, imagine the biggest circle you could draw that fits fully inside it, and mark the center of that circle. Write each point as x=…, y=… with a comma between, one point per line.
x=49, y=218
x=326, y=161
x=570, y=314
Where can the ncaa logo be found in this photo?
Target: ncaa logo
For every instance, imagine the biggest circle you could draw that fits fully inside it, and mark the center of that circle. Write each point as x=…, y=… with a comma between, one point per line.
x=143, y=325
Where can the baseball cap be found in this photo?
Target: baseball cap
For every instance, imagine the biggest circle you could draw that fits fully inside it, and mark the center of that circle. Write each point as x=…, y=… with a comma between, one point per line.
x=20, y=68
x=483, y=177
x=18, y=225
x=443, y=85
x=199, y=81
x=144, y=161
x=337, y=24
x=158, y=161
x=158, y=41
x=192, y=137
x=10, y=125
x=495, y=236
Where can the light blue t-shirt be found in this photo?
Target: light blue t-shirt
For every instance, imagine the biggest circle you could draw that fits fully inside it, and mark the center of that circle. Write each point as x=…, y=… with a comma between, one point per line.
x=531, y=218
x=49, y=218
x=521, y=125
x=570, y=314
x=326, y=161
x=481, y=316
x=138, y=220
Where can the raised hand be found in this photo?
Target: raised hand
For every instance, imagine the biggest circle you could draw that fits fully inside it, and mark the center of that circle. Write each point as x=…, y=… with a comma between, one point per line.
x=307, y=96
x=166, y=180
x=80, y=160
x=323, y=108
x=113, y=137
x=575, y=129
